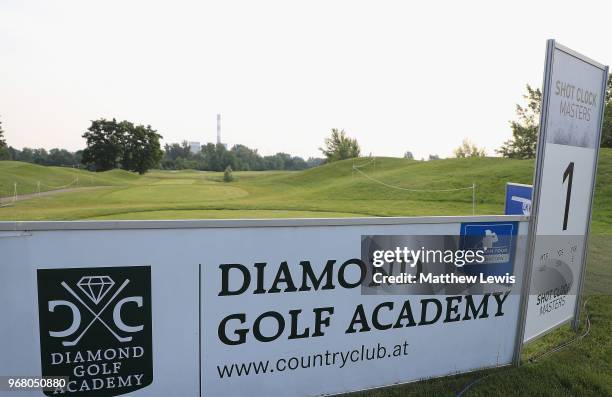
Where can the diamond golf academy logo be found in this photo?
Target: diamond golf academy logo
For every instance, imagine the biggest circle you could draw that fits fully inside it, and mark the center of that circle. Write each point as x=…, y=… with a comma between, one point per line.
x=95, y=287
x=95, y=328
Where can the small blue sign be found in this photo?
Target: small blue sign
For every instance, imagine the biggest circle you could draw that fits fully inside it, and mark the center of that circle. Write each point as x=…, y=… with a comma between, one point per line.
x=497, y=240
x=518, y=199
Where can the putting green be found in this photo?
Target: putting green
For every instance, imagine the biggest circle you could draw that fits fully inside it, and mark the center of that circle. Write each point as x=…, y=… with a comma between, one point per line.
x=175, y=193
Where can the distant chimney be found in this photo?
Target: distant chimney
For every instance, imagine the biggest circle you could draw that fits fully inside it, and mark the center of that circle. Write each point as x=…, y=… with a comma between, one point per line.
x=218, y=128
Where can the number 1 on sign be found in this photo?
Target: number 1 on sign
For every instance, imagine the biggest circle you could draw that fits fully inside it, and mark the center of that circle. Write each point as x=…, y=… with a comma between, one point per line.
x=569, y=175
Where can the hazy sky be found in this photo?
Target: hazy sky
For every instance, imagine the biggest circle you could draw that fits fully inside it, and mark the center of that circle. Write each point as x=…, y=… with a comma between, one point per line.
x=396, y=75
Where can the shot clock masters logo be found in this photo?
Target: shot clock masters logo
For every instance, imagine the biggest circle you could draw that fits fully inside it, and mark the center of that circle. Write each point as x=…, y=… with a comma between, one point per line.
x=95, y=328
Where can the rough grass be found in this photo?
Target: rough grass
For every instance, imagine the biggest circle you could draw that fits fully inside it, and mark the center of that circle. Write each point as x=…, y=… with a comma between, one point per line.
x=582, y=369
x=333, y=188
x=28, y=176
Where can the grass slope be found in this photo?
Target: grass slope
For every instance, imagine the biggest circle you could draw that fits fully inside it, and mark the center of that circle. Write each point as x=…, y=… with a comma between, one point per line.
x=28, y=176
x=333, y=190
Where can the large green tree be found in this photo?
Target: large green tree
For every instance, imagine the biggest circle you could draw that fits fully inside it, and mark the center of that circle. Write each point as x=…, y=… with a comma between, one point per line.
x=112, y=144
x=524, y=139
x=142, y=149
x=340, y=147
x=105, y=140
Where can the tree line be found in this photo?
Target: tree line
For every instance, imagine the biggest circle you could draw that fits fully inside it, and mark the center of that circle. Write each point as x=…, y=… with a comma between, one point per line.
x=54, y=157
x=114, y=144
x=216, y=157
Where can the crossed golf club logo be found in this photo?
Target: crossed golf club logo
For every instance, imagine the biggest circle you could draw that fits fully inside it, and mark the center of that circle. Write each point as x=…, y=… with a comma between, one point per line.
x=95, y=290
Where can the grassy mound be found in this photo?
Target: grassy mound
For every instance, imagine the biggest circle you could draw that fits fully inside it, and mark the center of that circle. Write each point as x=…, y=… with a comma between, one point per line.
x=29, y=177
x=381, y=187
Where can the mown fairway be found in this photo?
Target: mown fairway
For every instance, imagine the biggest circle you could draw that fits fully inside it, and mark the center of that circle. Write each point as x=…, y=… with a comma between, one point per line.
x=584, y=368
x=331, y=190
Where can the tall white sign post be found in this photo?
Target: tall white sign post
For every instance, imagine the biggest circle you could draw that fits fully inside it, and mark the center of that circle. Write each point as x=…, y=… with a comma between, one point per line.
x=568, y=146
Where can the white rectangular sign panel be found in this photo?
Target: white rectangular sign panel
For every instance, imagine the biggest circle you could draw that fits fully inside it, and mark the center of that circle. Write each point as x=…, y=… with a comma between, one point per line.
x=573, y=100
x=276, y=334
x=241, y=308
x=114, y=310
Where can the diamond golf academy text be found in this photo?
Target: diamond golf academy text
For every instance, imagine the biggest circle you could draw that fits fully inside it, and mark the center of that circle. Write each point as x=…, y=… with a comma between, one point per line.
x=239, y=328
x=99, y=369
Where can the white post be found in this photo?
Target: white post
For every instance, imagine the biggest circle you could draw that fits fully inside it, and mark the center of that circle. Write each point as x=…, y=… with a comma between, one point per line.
x=473, y=198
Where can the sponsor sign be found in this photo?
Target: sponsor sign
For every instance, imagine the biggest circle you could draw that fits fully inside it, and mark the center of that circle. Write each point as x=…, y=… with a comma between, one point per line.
x=224, y=307
x=568, y=147
x=518, y=199
x=95, y=328
x=116, y=311
x=288, y=314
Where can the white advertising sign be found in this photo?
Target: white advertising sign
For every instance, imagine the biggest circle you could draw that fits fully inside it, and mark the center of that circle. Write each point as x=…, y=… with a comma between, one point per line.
x=242, y=308
x=573, y=99
x=289, y=338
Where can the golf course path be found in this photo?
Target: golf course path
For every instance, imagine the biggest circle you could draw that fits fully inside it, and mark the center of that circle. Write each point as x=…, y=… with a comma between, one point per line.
x=29, y=196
